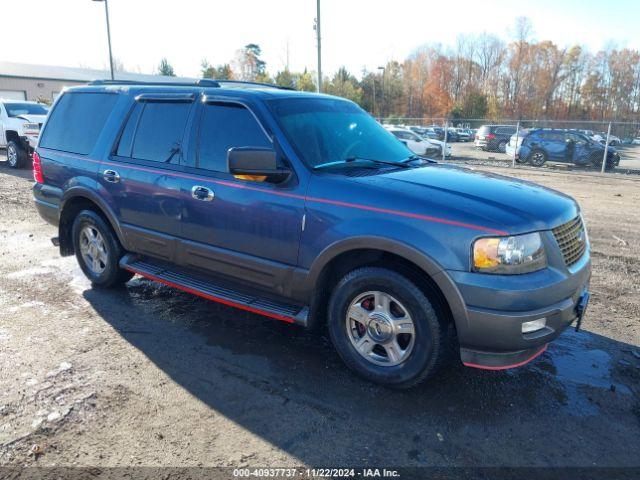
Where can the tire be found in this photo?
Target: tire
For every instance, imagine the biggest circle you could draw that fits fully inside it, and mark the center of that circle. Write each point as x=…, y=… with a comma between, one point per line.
x=16, y=156
x=537, y=158
x=105, y=272
x=596, y=161
x=421, y=353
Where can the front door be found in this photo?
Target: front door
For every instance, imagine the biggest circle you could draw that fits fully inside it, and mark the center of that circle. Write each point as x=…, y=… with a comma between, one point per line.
x=579, y=149
x=240, y=228
x=142, y=177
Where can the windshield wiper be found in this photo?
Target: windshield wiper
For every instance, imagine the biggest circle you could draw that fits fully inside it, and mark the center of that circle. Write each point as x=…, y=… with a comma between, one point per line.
x=356, y=159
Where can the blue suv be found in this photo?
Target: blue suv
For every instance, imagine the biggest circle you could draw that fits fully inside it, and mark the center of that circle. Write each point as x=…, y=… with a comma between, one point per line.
x=302, y=208
x=567, y=146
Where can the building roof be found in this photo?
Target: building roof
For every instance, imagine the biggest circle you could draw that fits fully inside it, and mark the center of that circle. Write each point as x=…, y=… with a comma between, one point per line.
x=76, y=74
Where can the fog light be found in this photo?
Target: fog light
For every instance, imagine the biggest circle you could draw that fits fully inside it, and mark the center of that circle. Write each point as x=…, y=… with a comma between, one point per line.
x=534, y=325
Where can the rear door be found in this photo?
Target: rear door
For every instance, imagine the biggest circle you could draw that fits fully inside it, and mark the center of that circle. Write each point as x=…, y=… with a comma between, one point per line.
x=241, y=228
x=142, y=174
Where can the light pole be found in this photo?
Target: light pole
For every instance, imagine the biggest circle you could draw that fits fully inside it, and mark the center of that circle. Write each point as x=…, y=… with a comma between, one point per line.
x=106, y=12
x=318, y=38
x=382, y=94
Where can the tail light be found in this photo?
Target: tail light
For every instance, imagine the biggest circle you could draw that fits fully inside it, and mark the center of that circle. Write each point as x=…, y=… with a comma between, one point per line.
x=490, y=136
x=37, y=168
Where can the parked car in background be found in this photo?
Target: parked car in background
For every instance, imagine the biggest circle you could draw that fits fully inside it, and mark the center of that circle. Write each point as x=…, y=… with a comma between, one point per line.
x=20, y=123
x=440, y=146
x=635, y=141
x=439, y=131
x=464, y=134
x=452, y=135
x=302, y=208
x=541, y=145
x=424, y=132
x=494, y=138
x=513, y=147
x=613, y=140
x=417, y=144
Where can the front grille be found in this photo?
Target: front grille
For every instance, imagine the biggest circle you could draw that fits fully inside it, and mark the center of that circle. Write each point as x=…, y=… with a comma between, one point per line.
x=572, y=239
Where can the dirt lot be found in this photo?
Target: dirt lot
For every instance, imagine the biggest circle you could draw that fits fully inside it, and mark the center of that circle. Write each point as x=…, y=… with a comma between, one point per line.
x=147, y=375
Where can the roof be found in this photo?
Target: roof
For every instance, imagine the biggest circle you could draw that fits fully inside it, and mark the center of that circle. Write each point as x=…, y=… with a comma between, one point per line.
x=237, y=90
x=77, y=74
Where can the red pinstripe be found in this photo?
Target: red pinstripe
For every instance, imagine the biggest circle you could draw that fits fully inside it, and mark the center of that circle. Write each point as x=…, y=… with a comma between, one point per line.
x=327, y=201
x=213, y=298
x=505, y=367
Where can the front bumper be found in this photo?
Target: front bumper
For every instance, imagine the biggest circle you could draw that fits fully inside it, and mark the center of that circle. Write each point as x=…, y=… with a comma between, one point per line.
x=496, y=307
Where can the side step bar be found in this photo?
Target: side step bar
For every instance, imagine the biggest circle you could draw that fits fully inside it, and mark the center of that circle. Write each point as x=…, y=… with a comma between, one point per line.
x=199, y=285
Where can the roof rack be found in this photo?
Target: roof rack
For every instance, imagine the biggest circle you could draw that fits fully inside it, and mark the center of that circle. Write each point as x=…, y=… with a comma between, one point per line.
x=202, y=82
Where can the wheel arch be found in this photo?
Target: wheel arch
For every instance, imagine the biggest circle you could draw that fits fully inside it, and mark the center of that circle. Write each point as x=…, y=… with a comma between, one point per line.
x=338, y=259
x=75, y=200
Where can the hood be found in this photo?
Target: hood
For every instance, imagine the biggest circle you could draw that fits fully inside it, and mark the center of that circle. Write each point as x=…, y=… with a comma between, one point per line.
x=33, y=118
x=462, y=194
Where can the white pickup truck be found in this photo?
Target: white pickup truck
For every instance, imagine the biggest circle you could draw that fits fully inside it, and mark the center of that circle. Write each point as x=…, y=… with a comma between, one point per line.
x=20, y=123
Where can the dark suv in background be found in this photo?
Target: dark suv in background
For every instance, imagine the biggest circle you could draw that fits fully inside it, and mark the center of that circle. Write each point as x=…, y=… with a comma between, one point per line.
x=302, y=208
x=538, y=146
x=494, y=138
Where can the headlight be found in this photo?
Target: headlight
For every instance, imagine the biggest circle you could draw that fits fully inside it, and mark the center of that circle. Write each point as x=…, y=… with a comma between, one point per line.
x=509, y=255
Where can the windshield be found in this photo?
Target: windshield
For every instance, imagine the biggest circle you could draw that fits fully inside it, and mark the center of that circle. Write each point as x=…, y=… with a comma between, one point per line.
x=325, y=130
x=15, y=109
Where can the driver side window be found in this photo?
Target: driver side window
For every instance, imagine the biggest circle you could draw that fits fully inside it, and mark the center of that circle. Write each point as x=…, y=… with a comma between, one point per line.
x=224, y=126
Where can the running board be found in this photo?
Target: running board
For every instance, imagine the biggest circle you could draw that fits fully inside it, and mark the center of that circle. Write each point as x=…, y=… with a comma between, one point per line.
x=199, y=285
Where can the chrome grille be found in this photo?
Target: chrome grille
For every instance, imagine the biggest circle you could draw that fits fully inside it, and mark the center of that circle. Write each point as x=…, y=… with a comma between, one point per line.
x=572, y=240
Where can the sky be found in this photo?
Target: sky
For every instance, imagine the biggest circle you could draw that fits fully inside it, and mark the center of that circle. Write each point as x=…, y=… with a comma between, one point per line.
x=356, y=33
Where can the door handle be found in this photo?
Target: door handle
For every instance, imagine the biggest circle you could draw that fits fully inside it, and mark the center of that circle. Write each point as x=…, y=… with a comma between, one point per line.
x=202, y=193
x=111, y=176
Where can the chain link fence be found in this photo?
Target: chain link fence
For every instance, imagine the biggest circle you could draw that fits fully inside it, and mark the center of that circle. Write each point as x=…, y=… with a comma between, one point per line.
x=564, y=144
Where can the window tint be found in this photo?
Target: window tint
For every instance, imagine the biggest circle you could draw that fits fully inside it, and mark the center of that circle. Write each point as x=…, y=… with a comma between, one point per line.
x=126, y=140
x=226, y=126
x=77, y=120
x=158, y=137
x=506, y=130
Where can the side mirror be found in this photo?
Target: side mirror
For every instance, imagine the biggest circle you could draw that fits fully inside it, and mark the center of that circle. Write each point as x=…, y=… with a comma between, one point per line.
x=255, y=161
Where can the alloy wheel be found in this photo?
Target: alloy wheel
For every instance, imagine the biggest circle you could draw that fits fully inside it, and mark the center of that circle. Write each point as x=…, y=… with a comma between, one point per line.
x=93, y=249
x=380, y=328
x=12, y=156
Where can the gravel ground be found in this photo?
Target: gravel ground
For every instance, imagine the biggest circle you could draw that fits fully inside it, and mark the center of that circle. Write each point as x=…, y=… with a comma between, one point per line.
x=147, y=375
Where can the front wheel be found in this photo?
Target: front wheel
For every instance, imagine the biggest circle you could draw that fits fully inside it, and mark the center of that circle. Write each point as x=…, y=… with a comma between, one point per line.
x=16, y=156
x=386, y=329
x=98, y=250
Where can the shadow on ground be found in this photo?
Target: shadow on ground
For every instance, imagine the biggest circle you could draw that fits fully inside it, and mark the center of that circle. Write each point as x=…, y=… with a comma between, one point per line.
x=577, y=405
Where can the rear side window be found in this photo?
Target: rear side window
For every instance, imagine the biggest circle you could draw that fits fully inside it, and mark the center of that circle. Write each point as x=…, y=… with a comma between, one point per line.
x=154, y=131
x=506, y=130
x=224, y=126
x=77, y=120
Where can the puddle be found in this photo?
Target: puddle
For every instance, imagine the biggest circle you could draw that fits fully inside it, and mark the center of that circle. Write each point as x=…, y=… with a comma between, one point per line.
x=578, y=360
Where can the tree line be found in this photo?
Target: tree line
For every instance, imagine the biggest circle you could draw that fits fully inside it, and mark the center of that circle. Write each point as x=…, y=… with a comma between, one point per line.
x=482, y=76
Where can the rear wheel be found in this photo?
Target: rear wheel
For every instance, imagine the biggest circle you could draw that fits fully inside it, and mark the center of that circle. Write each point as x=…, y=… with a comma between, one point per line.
x=385, y=328
x=98, y=250
x=537, y=158
x=16, y=156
